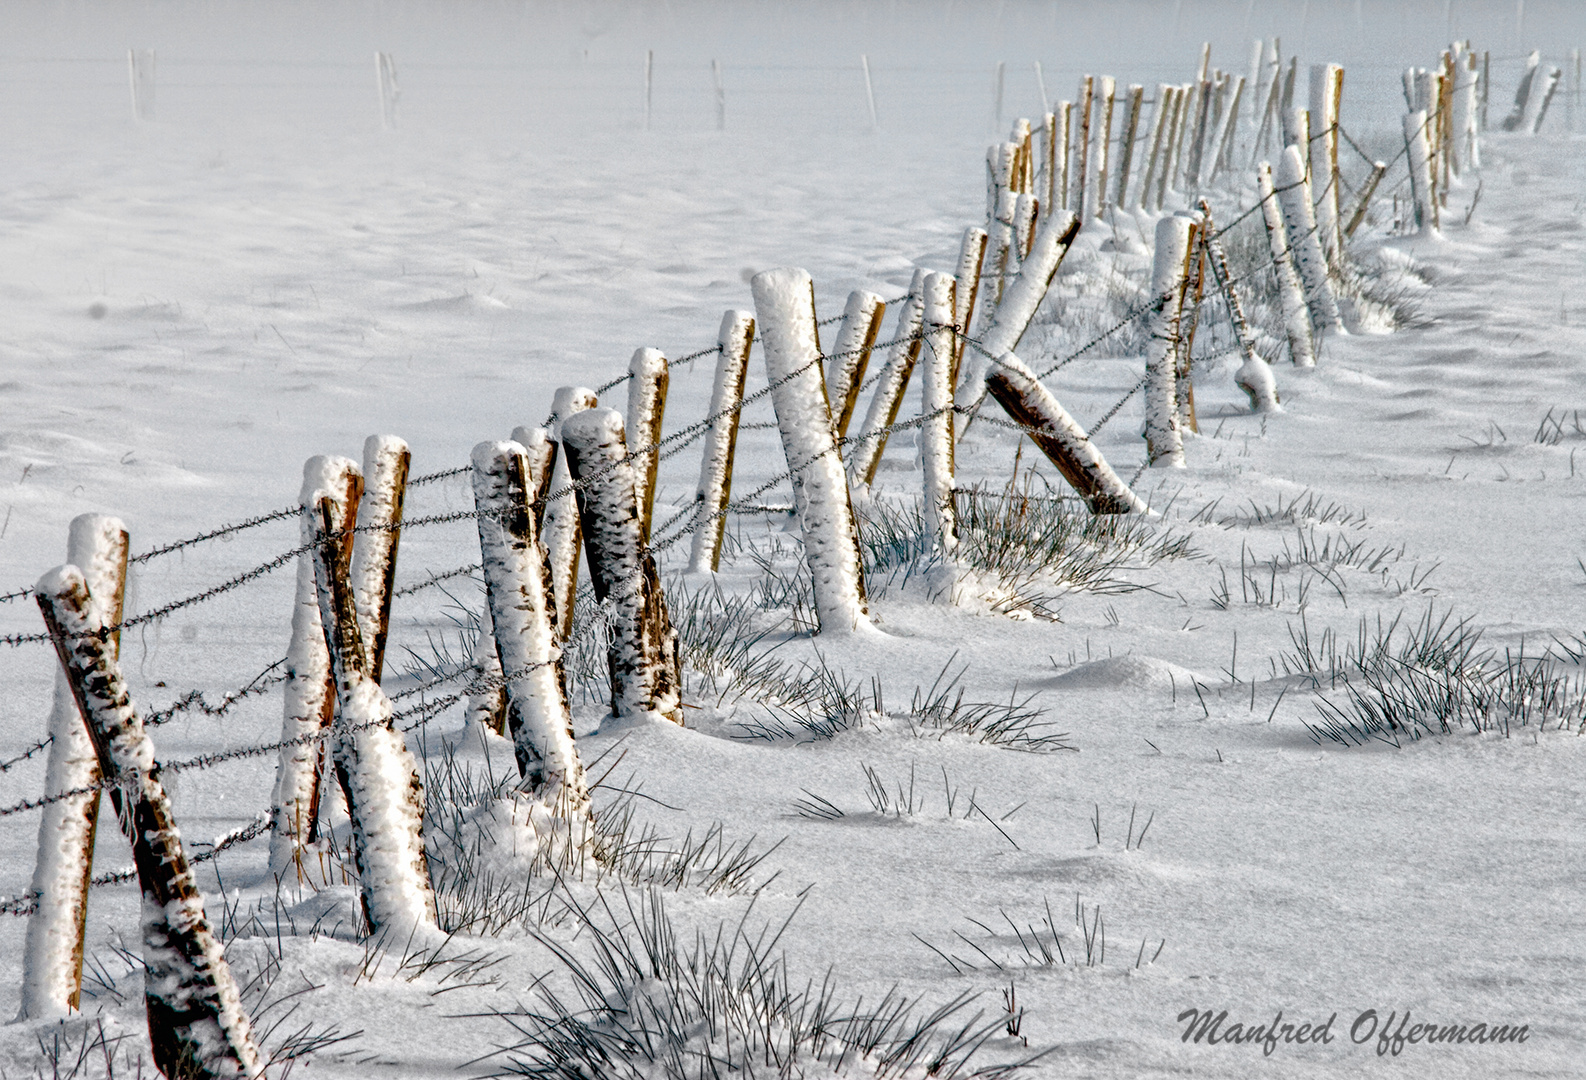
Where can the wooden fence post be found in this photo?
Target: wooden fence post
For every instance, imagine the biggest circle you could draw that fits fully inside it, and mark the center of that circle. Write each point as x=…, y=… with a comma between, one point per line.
x=1254, y=376
x=1171, y=147
x=845, y=369
x=733, y=342
x=197, y=1027
x=1049, y=129
x=1081, y=186
x=1126, y=141
x=563, y=536
x=1026, y=211
x=1363, y=203
x=1065, y=142
x=1169, y=273
x=1467, y=140
x=1001, y=256
x=1326, y=90
x=1109, y=91
x=646, y=677
x=784, y=302
x=865, y=456
x=1159, y=114
x=936, y=383
x=1194, y=286
x=1197, y=154
x=647, y=384
x=1296, y=314
x=518, y=590
x=1299, y=220
x=374, y=546
x=309, y=695
x=385, y=798
x=1419, y=155
x=52, y=964
x=1223, y=159
x=971, y=256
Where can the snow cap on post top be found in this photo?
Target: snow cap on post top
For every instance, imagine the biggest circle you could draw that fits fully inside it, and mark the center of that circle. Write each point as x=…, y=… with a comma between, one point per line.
x=784, y=303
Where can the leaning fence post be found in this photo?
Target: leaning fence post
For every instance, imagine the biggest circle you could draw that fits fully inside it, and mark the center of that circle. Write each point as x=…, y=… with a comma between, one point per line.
x=647, y=381
x=1164, y=438
x=1299, y=220
x=52, y=964
x=936, y=410
x=646, y=679
x=1363, y=203
x=1164, y=105
x=310, y=692
x=197, y=1027
x=518, y=591
x=733, y=342
x=563, y=539
x=385, y=798
x=784, y=302
x=971, y=256
x=845, y=373
x=865, y=456
x=1296, y=315
x=1254, y=376
x=374, y=546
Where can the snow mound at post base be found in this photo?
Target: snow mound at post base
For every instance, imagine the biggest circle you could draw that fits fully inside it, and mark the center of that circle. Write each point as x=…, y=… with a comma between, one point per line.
x=1126, y=672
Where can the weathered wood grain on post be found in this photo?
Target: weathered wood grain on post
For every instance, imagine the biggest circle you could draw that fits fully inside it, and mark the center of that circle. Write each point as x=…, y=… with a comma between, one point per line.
x=197, y=1028
x=868, y=446
x=562, y=535
x=1363, y=202
x=374, y=547
x=647, y=383
x=850, y=358
x=733, y=342
x=971, y=256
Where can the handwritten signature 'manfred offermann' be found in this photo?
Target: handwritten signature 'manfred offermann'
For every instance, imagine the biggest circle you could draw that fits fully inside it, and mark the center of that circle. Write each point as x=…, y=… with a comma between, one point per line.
x=1391, y=1035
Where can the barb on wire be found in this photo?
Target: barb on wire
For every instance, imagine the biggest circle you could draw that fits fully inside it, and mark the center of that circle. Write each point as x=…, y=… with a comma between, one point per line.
x=215, y=534
x=435, y=477
x=436, y=579
x=194, y=700
x=36, y=748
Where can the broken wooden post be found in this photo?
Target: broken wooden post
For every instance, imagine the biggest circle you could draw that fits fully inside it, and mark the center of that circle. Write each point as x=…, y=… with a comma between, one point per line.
x=52, y=959
x=646, y=677
x=385, y=797
x=1299, y=221
x=936, y=410
x=647, y=382
x=865, y=456
x=518, y=591
x=733, y=342
x=1254, y=376
x=309, y=704
x=784, y=302
x=374, y=547
x=1169, y=272
x=1296, y=314
x=197, y=1028
x=562, y=533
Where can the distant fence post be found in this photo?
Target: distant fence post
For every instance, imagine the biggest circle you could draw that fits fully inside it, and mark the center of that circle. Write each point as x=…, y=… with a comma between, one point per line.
x=784, y=302
x=646, y=679
x=845, y=371
x=1079, y=191
x=1299, y=221
x=563, y=535
x=52, y=964
x=1194, y=287
x=865, y=456
x=196, y=1025
x=1254, y=376
x=141, y=75
x=939, y=347
x=647, y=383
x=1296, y=314
x=386, y=81
x=1109, y=91
x=309, y=704
x=1169, y=269
x=374, y=546
x=518, y=590
x=385, y=798
x=734, y=339
x=1163, y=106
x=1126, y=142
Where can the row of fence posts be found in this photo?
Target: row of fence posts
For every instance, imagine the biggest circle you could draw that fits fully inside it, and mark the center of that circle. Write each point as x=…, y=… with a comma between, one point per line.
x=585, y=484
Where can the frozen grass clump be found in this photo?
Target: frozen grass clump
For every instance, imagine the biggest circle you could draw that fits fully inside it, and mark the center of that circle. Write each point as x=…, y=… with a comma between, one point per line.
x=649, y=1005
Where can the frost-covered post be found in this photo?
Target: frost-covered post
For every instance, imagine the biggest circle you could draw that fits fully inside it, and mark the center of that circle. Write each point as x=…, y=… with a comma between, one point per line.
x=865, y=456
x=646, y=679
x=1419, y=154
x=1109, y=93
x=309, y=695
x=733, y=342
x=850, y=357
x=1296, y=315
x=1053, y=431
x=518, y=590
x=562, y=535
x=52, y=963
x=1230, y=129
x=1197, y=152
x=1065, y=142
x=1194, y=285
x=1026, y=209
x=1001, y=164
x=1081, y=189
x=1170, y=145
x=1126, y=138
x=1000, y=253
x=385, y=798
x=1299, y=221
x=784, y=301
x=647, y=382
x=374, y=547
x=1368, y=188
x=1551, y=85
x=1326, y=95
x=971, y=255
x=1467, y=139
x=1049, y=165
x=539, y=451
x=1012, y=317
x=1164, y=106
x=936, y=409
x=197, y=1028
x=1254, y=376
x=1169, y=271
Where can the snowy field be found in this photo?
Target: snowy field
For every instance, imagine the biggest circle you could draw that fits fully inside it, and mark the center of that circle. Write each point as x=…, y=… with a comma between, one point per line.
x=196, y=304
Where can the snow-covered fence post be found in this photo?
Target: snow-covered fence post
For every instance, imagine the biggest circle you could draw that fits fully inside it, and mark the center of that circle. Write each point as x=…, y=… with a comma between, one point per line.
x=1053, y=431
x=721, y=95
x=1049, y=129
x=540, y=453
x=1169, y=273
x=647, y=383
x=733, y=342
x=1109, y=93
x=197, y=1028
x=374, y=546
x=1363, y=202
x=1551, y=85
x=1299, y=220
x=870, y=91
x=971, y=255
x=1162, y=109
x=936, y=409
x=1194, y=286
x=1223, y=159
x=1170, y=146
x=140, y=73
x=309, y=695
x=1012, y=317
x=1467, y=141
x=385, y=797
x=784, y=302
x=1197, y=153
x=518, y=590
x=1026, y=209
x=890, y=385
x=1326, y=93
x=1419, y=155
x=1254, y=376
x=562, y=533
x=1065, y=142
x=1296, y=315
x=646, y=679
x=850, y=359
x=649, y=84
x=386, y=83
x=52, y=963
x=1080, y=190
x=1019, y=179
x=1126, y=141
x=1001, y=166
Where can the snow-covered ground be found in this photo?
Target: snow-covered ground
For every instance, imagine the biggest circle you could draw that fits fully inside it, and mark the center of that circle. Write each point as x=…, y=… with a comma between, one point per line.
x=195, y=305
